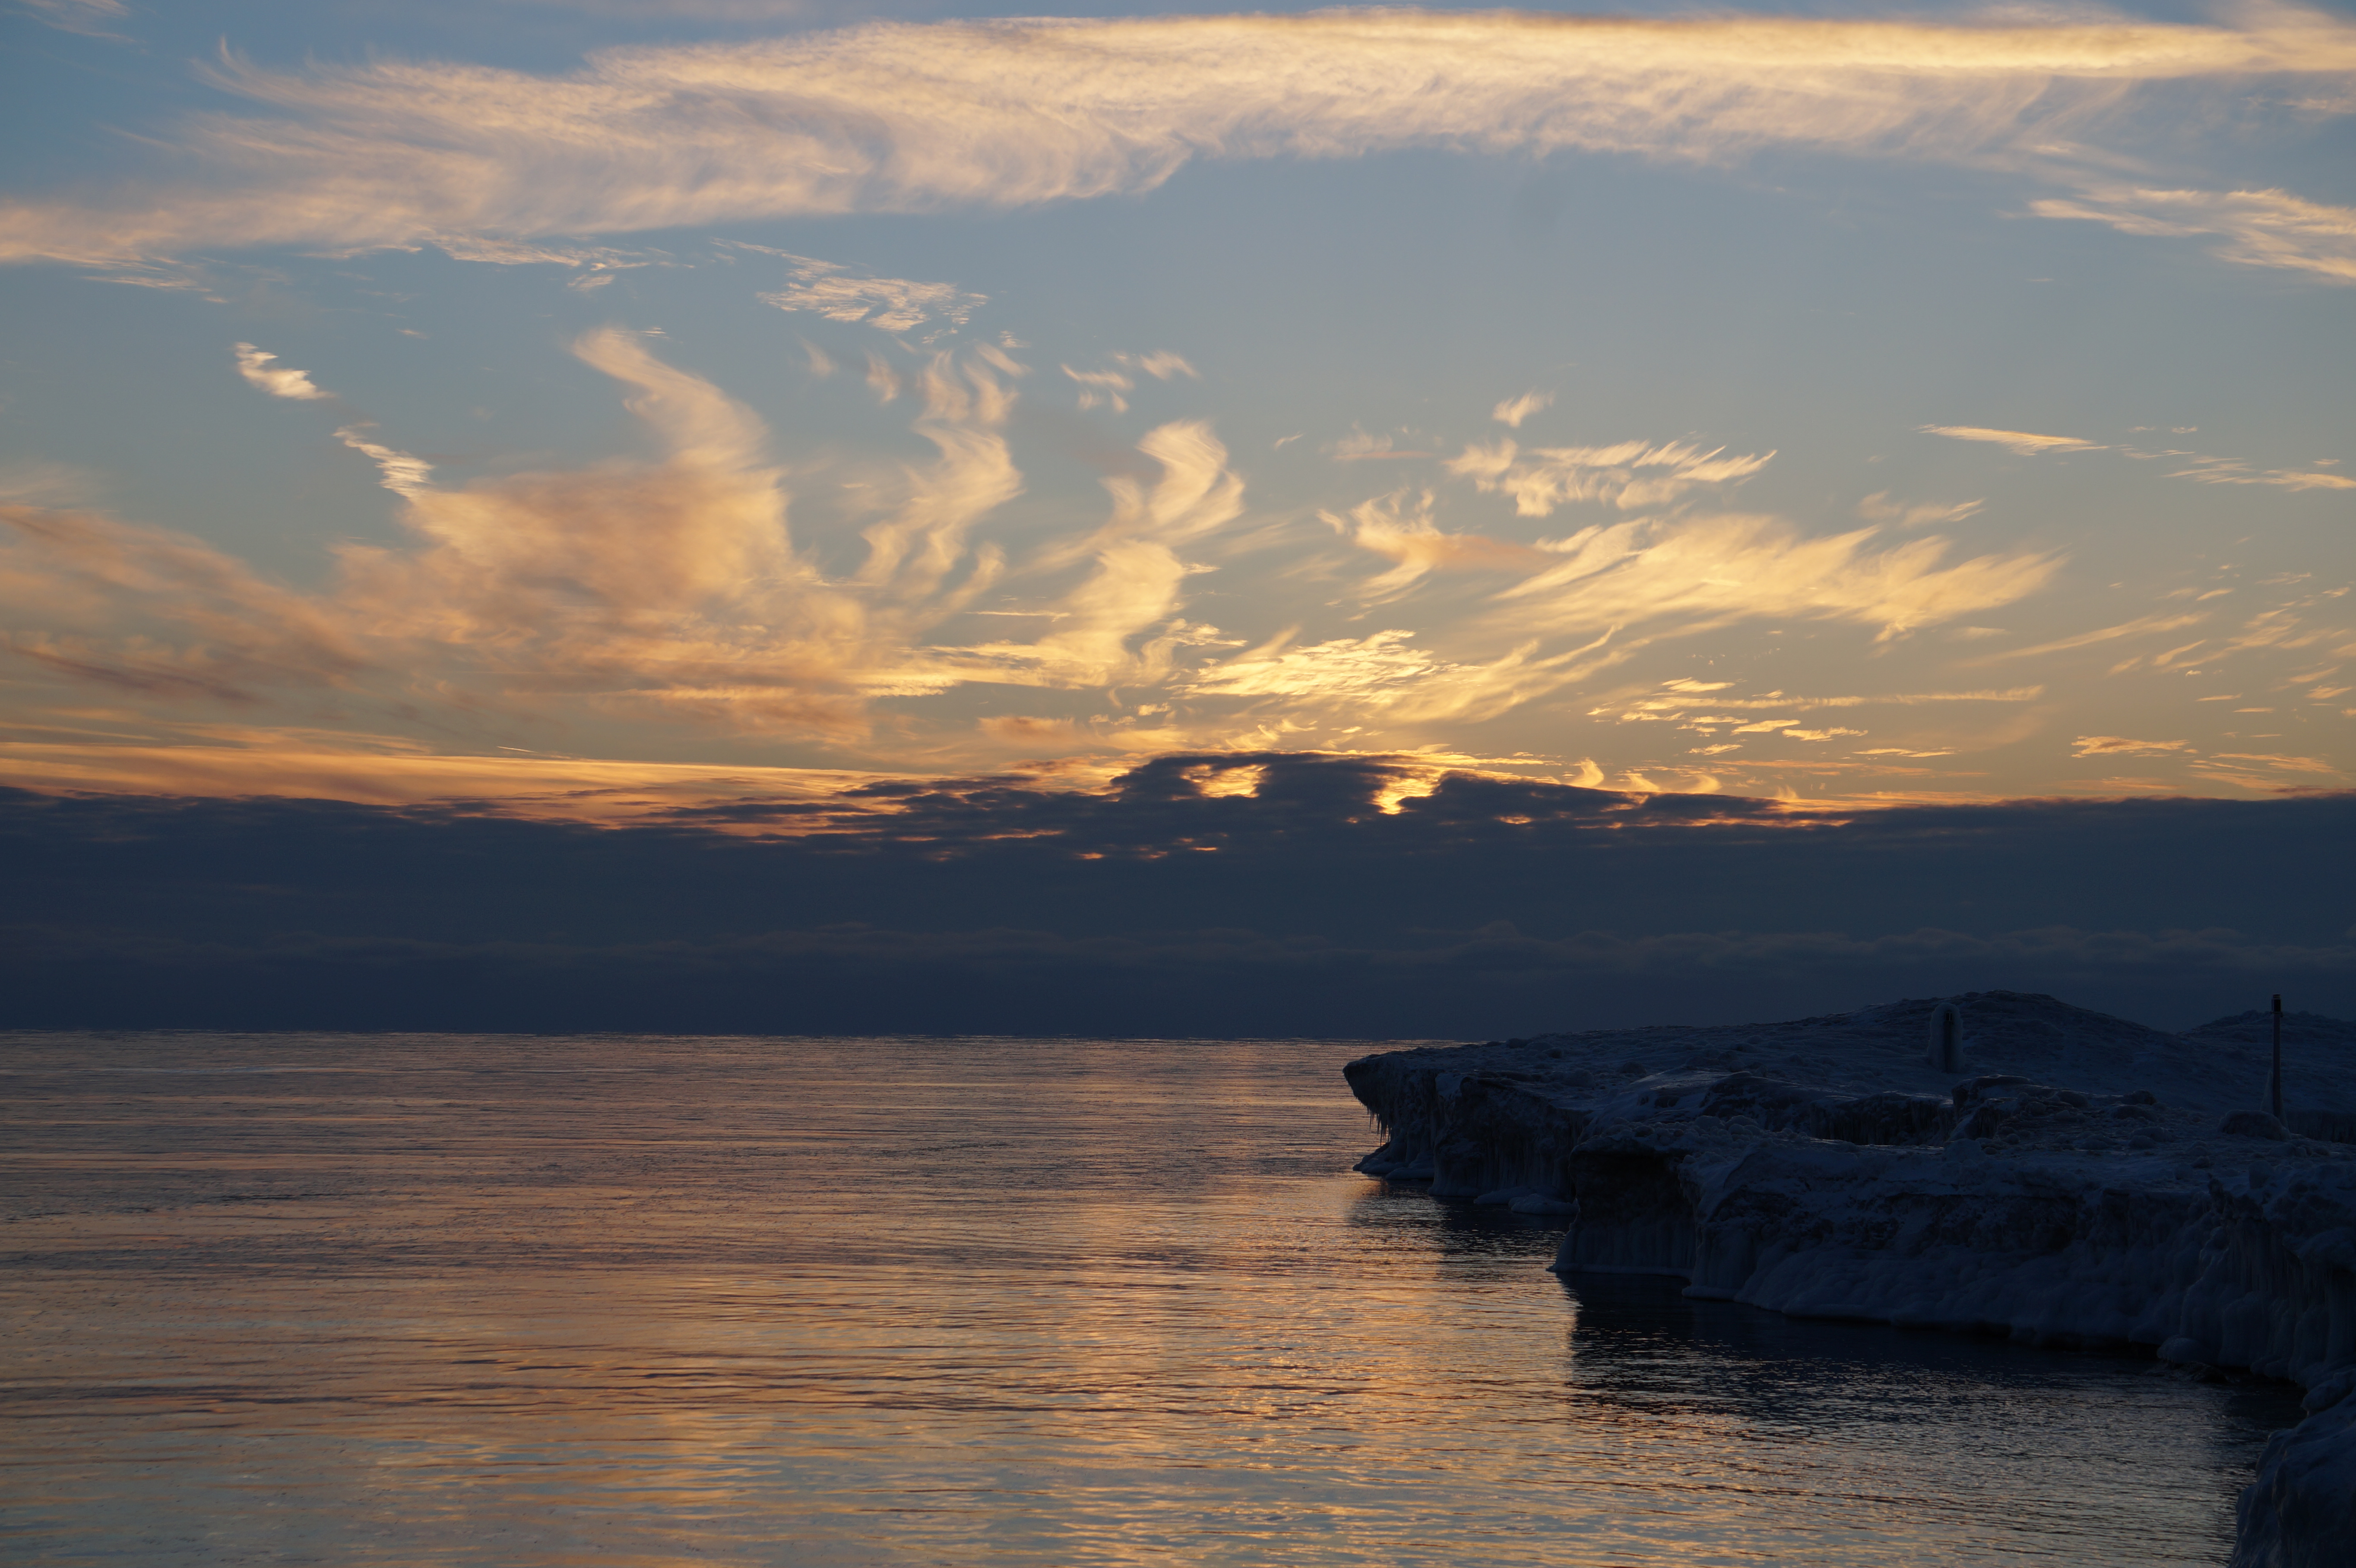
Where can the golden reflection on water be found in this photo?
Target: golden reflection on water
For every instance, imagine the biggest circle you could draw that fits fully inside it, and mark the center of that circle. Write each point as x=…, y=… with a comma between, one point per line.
x=457, y=1300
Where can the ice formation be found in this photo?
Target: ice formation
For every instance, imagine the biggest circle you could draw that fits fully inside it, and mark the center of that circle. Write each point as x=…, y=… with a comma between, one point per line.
x=1990, y=1163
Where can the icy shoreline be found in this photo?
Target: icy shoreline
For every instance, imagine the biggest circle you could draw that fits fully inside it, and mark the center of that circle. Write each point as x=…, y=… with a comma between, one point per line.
x=2073, y=1180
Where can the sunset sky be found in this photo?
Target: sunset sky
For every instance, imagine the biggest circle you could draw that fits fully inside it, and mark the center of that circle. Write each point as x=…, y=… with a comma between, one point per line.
x=531, y=399
x=1462, y=441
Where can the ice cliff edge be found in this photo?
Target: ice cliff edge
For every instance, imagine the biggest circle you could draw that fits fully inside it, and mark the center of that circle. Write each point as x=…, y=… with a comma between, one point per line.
x=2055, y=1175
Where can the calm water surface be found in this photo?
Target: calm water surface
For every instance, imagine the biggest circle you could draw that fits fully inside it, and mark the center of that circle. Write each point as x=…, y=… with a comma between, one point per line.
x=496, y=1300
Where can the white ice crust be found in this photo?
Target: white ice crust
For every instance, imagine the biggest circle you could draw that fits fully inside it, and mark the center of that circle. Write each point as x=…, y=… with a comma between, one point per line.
x=2072, y=1180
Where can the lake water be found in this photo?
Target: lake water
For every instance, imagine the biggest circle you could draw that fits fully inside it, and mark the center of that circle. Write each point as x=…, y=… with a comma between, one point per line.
x=532, y=1301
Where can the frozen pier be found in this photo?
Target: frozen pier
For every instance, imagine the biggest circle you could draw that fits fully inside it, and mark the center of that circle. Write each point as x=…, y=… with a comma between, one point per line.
x=1992, y=1163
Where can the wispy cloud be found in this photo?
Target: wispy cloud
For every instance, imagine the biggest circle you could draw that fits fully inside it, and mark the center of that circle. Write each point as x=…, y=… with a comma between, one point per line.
x=675, y=590
x=891, y=117
x=1709, y=571
x=889, y=305
x=913, y=551
x=403, y=474
x=2027, y=444
x=495, y=250
x=1102, y=389
x=37, y=482
x=2258, y=228
x=1671, y=576
x=1380, y=673
x=1400, y=526
x=92, y=18
x=1629, y=476
x=1110, y=389
x=2226, y=470
x=637, y=589
x=1678, y=702
x=2267, y=771
x=1881, y=508
x=2120, y=746
x=1361, y=445
x=2142, y=625
x=1514, y=410
x=1120, y=623
x=1161, y=365
x=165, y=273
x=1614, y=590
x=91, y=593
x=279, y=380
x=248, y=760
x=670, y=589
x=2198, y=468
x=1379, y=668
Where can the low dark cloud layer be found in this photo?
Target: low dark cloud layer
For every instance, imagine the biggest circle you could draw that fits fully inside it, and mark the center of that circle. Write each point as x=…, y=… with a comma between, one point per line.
x=1157, y=908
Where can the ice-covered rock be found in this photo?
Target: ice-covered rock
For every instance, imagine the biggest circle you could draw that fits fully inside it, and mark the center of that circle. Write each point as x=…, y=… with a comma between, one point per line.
x=2297, y=1511
x=2041, y=1171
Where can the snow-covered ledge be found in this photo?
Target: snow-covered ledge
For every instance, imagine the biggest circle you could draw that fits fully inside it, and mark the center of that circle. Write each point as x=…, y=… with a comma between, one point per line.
x=2029, y=1168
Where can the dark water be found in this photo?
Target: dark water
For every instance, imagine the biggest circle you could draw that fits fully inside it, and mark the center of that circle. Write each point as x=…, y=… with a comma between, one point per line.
x=400, y=1299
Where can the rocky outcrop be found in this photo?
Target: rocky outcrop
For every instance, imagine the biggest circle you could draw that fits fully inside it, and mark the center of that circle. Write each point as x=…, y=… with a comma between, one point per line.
x=2087, y=1182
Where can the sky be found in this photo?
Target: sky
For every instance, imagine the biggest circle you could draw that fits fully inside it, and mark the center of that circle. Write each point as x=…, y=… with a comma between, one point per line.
x=720, y=417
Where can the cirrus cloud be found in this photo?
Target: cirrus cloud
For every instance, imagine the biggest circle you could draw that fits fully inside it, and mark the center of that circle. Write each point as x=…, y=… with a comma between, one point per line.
x=2121, y=746
x=256, y=365
x=2027, y=444
x=2256, y=228
x=891, y=117
x=889, y=305
x=1630, y=475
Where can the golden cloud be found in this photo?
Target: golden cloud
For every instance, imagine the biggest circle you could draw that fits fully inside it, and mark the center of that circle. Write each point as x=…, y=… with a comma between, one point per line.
x=1629, y=475
x=902, y=118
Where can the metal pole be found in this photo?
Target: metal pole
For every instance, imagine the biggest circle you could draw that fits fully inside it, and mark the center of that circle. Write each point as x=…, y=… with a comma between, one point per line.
x=2274, y=1089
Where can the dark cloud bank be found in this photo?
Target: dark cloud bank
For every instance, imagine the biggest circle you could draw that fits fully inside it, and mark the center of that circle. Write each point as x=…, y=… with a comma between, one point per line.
x=992, y=906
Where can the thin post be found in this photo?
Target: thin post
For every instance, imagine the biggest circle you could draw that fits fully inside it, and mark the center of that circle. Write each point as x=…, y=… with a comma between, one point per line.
x=1947, y=1037
x=2274, y=1089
